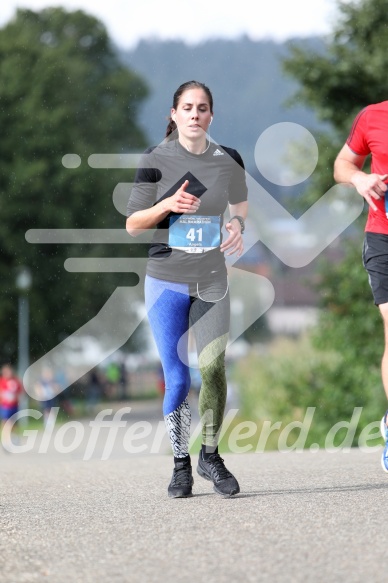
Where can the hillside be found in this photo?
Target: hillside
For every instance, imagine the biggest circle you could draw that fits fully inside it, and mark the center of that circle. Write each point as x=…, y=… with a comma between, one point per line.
x=249, y=87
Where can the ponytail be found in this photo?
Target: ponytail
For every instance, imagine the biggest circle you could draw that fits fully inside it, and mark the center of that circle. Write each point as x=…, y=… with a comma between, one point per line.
x=171, y=127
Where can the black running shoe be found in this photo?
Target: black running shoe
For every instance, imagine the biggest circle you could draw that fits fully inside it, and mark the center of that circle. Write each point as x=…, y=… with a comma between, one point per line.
x=182, y=481
x=214, y=469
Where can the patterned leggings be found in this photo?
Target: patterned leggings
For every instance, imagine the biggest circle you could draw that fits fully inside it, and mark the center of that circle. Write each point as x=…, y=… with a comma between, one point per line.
x=172, y=309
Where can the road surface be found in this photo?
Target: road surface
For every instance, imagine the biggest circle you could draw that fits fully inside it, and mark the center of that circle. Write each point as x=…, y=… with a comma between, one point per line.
x=300, y=517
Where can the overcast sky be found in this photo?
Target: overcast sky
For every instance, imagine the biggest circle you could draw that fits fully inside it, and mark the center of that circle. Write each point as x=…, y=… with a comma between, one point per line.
x=128, y=21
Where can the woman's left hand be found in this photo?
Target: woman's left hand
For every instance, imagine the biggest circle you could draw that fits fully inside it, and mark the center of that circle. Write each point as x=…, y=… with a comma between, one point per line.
x=234, y=243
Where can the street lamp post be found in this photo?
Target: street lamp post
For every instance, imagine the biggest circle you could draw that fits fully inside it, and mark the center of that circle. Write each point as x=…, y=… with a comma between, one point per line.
x=23, y=284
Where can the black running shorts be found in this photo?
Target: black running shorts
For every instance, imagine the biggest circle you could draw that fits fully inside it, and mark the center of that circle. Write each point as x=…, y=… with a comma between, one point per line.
x=375, y=260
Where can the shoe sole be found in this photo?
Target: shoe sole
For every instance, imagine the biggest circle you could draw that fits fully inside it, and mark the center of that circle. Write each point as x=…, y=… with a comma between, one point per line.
x=383, y=435
x=383, y=428
x=204, y=475
x=170, y=495
x=181, y=494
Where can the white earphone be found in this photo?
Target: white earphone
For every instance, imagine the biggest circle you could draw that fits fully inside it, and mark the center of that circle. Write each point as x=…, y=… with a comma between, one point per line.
x=211, y=119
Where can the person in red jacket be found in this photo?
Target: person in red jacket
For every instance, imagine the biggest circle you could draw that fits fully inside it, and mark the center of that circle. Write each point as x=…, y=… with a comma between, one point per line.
x=10, y=391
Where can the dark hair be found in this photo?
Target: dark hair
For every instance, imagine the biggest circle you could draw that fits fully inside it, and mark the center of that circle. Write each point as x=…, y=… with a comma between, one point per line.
x=171, y=127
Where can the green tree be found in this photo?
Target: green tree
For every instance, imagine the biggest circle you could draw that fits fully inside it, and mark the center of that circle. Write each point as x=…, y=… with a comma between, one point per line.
x=338, y=83
x=63, y=90
x=350, y=325
x=342, y=78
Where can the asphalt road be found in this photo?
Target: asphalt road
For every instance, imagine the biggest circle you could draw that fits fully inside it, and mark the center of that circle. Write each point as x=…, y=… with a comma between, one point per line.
x=300, y=517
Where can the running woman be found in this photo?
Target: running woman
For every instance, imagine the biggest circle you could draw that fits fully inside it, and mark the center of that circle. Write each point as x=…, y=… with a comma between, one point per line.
x=183, y=188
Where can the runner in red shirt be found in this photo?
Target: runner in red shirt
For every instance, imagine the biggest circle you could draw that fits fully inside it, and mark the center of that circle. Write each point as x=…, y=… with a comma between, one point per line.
x=369, y=137
x=10, y=390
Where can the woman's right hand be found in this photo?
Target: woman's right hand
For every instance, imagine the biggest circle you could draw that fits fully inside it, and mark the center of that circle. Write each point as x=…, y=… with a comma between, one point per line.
x=183, y=202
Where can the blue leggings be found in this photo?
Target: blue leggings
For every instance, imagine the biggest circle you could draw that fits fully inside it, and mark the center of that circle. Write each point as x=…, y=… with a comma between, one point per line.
x=172, y=309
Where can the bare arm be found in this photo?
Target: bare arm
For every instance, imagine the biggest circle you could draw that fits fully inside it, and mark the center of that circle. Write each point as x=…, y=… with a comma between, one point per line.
x=235, y=241
x=181, y=202
x=348, y=170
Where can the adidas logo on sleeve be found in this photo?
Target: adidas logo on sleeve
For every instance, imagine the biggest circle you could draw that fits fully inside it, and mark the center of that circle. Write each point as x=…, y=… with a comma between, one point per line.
x=218, y=152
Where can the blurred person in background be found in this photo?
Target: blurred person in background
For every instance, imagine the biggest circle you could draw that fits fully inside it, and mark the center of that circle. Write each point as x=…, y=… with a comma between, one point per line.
x=47, y=390
x=10, y=392
x=94, y=391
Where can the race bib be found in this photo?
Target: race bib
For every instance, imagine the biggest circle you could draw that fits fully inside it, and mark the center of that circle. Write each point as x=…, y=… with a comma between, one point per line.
x=194, y=234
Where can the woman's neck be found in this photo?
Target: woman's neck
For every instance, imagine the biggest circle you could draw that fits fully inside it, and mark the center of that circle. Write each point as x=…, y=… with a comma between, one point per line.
x=195, y=147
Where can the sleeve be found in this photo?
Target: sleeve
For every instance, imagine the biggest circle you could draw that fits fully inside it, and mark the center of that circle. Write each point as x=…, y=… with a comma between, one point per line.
x=238, y=191
x=357, y=139
x=144, y=189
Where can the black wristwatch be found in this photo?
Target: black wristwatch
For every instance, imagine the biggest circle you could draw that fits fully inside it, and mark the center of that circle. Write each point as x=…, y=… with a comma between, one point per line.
x=241, y=221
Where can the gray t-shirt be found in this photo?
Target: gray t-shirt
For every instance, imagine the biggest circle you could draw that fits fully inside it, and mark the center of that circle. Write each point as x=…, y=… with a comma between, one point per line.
x=217, y=177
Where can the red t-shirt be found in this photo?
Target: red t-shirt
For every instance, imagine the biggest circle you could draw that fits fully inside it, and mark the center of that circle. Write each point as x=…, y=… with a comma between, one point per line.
x=369, y=135
x=10, y=390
